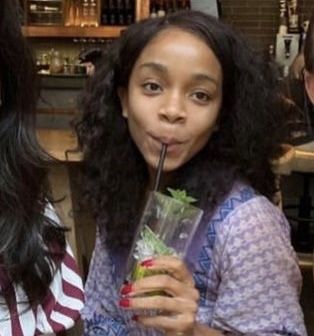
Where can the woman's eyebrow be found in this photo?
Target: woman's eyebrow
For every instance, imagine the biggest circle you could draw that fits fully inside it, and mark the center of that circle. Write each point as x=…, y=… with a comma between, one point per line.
x=163, y=69
x=155, y=66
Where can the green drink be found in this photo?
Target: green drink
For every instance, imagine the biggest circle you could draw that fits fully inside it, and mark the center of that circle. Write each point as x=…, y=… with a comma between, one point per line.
x=167, y=227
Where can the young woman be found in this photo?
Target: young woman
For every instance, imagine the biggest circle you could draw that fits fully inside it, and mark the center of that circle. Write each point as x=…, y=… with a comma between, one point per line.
x=309, y=61
x=188, y=81
x=40, y=289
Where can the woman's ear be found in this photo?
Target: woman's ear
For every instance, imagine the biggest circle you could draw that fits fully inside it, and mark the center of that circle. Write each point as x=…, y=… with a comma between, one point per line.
x=309, y=85
x=122, y=93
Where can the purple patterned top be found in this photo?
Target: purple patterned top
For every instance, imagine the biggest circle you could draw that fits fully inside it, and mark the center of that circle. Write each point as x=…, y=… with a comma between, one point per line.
x=245, y=269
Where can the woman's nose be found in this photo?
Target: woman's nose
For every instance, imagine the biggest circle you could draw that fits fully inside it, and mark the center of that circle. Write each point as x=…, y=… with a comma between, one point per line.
x=173, y=110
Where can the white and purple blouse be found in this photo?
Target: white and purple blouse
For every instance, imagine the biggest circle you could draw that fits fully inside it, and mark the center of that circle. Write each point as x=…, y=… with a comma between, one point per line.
x=244, y=268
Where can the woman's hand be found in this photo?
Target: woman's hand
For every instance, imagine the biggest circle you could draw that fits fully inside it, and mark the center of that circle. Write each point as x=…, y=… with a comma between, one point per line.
x=176, y=309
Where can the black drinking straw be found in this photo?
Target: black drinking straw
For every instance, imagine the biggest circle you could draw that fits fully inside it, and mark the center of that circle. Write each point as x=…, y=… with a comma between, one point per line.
x=162, y=157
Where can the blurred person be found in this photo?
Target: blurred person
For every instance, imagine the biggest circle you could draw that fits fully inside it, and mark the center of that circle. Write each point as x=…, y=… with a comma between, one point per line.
x=309, y=61
x=40, y=288
x=91, y=58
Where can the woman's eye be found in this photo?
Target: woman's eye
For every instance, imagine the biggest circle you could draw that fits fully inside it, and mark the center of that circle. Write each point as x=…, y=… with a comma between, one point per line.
x=152, y=87
x=201, y=96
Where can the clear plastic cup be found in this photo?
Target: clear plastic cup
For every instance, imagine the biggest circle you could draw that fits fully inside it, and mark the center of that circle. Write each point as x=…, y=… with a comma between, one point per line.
x=167, y=227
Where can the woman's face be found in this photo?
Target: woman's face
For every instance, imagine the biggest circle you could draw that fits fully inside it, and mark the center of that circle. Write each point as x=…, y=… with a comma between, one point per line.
x=173, y=97
x=309, y=85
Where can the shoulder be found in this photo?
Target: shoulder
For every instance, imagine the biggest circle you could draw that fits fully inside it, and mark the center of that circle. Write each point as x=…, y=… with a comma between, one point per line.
x=247, y=222
x=256, y=234
x=259, y=276
x=244, y=210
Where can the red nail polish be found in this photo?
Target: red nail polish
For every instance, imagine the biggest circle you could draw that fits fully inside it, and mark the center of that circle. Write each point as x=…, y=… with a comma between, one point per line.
x=135, y=318
x=126, y=289
x=147, y=263
x=124, y=303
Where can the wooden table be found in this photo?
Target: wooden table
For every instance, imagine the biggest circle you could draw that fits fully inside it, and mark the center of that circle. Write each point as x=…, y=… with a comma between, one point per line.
x=57, y=142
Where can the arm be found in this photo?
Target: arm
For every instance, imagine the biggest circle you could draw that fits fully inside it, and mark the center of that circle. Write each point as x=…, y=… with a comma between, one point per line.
x=64, y=301
x=59, y=309
x=101, y=313
x=260, y=278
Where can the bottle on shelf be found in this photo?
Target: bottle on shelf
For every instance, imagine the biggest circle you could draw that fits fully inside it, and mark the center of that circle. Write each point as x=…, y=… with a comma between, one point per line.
x=104, y=19
x=129, y=11
x=76, y=13
x=283, y=26
x=93, y=13
x=70, y=14
x=120, y=13
x=112, y=10
x=153, y=10
x=161, y=10
x=171, y=6
x=42, y=8
x=84, y=17
x=293, y=17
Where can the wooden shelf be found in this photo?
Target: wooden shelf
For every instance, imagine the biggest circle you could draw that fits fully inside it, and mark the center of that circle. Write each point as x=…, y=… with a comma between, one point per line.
x=59, y=31
x=141, y=12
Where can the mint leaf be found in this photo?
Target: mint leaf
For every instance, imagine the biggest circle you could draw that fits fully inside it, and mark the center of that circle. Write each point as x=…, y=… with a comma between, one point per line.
x=181, y=196
x=150, y=245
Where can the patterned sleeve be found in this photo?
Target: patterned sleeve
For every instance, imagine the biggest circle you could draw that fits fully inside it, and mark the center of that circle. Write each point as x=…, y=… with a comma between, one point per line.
x=101, y=314
x=58, y=311
x=260, y=278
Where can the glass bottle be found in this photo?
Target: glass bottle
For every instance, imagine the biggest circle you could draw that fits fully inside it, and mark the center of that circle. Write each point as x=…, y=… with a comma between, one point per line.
x=93, y=20
x=153, y=12
x=85, y=13
x=70, y=14
x=56, y=62
x=112, y=12
x=293, y=17
x=161, y=11
x=120, y=13
x=104, y=12
x=129, y=11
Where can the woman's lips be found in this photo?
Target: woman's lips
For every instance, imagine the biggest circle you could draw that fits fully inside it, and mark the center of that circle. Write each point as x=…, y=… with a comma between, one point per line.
x=173, y=144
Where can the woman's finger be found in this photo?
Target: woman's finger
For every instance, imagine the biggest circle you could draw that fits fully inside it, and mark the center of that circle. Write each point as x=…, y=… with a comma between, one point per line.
x=173, y=266
x=161, y=283
x=163, y=304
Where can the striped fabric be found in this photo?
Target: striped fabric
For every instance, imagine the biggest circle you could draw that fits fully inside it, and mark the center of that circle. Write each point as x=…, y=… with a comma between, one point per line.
x=58, y=311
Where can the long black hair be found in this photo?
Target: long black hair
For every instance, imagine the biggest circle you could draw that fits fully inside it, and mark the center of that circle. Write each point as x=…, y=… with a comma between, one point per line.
x=248, y=138
x=26, y=233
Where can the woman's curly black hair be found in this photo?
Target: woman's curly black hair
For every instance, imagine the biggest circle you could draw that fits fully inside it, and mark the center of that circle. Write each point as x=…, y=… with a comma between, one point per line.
x=26, y=233
x=248, y=138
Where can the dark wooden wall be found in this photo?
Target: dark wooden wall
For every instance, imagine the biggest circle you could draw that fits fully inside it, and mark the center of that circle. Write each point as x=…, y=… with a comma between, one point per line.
x=259, y=19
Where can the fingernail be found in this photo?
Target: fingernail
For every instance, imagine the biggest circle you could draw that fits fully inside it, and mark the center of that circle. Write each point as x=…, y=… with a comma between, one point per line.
x=125, y=303
x=135, y=318
x=147, y=263
x=126, y=289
